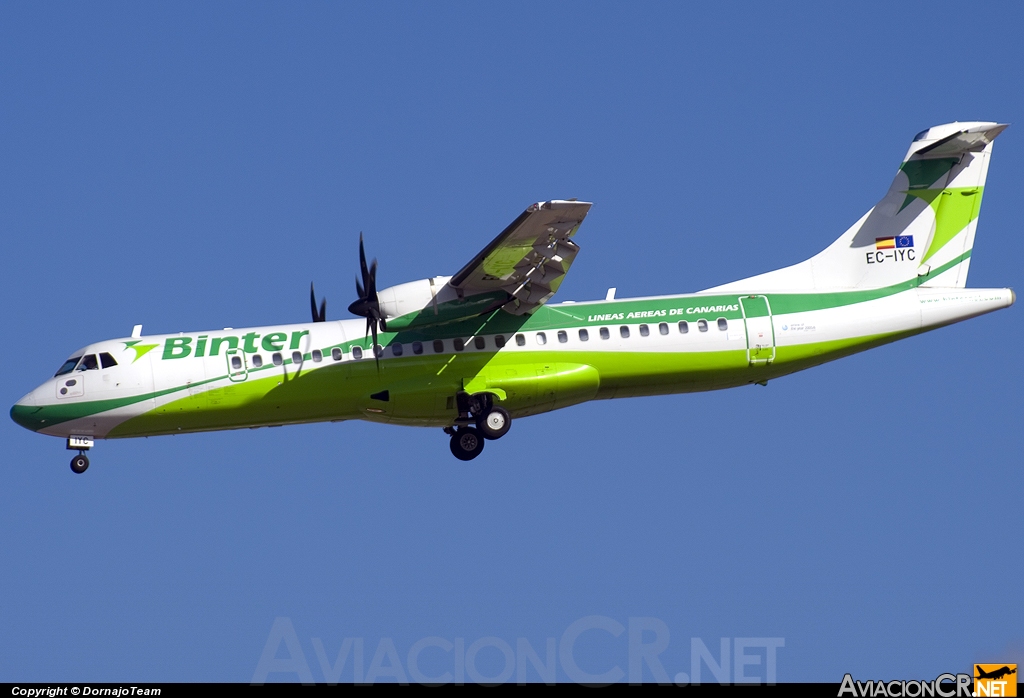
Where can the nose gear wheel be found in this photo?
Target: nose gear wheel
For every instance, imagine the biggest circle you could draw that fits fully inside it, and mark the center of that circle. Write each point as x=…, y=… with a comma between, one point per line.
x=80, y=463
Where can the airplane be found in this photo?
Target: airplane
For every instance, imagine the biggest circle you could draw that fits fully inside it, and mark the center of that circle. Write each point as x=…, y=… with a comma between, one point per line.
x=472, y=352
x=995, y=674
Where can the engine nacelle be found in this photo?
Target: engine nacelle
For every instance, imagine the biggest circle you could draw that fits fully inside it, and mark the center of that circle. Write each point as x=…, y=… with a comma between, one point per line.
x=432, y=302
x=414, y=296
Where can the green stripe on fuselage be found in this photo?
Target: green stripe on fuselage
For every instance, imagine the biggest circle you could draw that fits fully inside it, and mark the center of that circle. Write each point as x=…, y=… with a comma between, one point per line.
x=565, y=316
x=342, y=391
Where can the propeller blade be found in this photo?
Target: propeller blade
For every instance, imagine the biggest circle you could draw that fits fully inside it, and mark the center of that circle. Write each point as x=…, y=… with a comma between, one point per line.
x=362, y=260
x=367, y=304
x=320, y=316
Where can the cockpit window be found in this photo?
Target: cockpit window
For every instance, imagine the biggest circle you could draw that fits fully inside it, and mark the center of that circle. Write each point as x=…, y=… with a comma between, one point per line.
x=106, y=360
x=920, y=136
x=89, y=363
x=68, y=366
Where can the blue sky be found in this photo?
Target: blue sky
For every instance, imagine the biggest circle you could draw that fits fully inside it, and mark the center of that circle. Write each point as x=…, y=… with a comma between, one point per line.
x=190, y=166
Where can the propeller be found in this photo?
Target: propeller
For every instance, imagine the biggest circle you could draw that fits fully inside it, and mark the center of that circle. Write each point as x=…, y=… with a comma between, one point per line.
x=321, y=315
x=367, y=305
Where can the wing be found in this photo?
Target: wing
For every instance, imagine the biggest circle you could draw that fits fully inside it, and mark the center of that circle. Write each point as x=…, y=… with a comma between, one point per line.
x=529, y=259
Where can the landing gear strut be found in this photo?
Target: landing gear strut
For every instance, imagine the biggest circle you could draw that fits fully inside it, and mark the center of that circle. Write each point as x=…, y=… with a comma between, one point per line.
x=479, y=419
x=80, y=463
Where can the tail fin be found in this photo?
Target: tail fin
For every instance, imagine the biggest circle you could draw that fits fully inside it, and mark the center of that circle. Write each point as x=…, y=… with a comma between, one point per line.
x=923, y=227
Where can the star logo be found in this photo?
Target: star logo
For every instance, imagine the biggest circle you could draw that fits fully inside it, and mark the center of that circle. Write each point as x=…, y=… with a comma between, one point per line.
x=139, y=349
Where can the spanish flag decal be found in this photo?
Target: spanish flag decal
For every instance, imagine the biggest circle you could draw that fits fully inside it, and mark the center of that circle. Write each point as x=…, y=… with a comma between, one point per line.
x=898, y=242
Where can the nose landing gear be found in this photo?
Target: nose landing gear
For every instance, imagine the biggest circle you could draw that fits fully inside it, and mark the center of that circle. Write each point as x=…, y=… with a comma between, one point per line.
x=80, y=463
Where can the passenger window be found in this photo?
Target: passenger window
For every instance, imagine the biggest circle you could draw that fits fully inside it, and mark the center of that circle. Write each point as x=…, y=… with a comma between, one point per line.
x=480, y=342
x=278, y=360
x=89, y=363
x=236, y=362
x=645, y=330
x=584, y=335
x=702, y=325
x=542, y=338
x=438, y=346
x=417, y=347
x=624, y=332
x=106, y=360
x=684, y=327
x=396, y=349
x=68, y=366
x=663, y=328
x=318, y=356
x=723, y=324
x=296, y=357
x=562, y=337
x=499, y=340
x=257, y=360
x=605, y=334
x=336, y=353
x=520, y=340
x=459, y=344
x=378, y=350
x=357, y=352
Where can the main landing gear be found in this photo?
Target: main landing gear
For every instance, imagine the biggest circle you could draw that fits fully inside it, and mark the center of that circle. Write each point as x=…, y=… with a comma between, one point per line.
x=466, y=443
x=80, y=463
x=479, y=420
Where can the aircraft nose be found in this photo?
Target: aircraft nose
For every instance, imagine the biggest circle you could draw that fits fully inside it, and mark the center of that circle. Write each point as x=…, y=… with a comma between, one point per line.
x=24, y=412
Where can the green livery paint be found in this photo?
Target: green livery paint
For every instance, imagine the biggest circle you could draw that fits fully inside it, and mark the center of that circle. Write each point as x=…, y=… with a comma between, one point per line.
x=139, y=349
x=472, y=352
x=954, y=210
x=921, y=174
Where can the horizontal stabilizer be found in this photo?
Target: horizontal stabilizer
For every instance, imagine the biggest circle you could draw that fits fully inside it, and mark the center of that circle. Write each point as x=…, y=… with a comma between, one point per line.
x=960, y=142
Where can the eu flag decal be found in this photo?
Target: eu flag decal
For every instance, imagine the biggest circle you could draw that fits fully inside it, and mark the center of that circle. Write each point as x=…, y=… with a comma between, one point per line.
x=904, y=241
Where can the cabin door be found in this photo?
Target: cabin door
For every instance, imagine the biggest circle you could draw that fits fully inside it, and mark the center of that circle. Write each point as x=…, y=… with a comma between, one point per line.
x=757, y=317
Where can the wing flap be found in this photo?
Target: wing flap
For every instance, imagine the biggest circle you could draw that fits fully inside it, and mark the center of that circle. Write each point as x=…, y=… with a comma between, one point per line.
x=529, y=259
